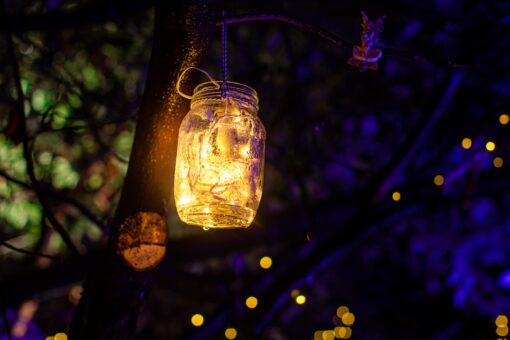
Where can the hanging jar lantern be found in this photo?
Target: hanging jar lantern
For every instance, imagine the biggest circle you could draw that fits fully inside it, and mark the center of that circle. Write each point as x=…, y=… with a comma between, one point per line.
x=220, y=157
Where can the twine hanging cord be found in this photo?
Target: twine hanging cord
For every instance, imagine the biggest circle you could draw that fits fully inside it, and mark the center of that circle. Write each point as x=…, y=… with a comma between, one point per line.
x=223, y=87
x=178, y=86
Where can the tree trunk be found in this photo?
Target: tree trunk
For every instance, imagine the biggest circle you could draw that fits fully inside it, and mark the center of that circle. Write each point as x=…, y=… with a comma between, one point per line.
x=115, y=289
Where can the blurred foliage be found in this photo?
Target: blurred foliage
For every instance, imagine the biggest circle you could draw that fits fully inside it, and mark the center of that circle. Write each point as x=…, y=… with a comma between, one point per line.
x=443, y=256
x=80, y=143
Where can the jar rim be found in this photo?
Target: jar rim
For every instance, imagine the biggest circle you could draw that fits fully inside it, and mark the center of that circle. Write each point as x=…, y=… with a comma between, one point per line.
x=235, y=90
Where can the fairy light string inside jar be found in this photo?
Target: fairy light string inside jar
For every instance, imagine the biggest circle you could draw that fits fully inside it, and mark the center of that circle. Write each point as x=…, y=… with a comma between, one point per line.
x=220, y=157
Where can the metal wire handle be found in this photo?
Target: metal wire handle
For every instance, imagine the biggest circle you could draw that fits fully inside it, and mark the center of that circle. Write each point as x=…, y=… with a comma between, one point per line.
x=178, y=85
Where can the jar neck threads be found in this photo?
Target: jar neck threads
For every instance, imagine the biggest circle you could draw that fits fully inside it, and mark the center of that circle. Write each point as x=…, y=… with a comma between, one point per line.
x=236, y=91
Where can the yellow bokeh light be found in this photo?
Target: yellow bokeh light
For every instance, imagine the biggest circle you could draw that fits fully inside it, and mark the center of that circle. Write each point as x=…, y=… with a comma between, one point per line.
x=504, y=119
x=197, y=320
x=502, y=331
x=266, y=262
x=341, y=311
x=348, y=318
x=60, y=336
x=251, y=302
x=396, y=196
x=317, y=335
x=300, y=299
x=230, y=333
x=501, y=321
x=294, y=293
x=438, y=180
x=497, y=162
x=490, y=146
x=343, y=332
x=467, y=143
x=328, y=335
x=50, y=338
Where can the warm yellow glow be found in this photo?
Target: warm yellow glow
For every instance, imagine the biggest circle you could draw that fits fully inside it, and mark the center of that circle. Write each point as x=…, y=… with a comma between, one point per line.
x=504, y=119
x=317, y=335
x=490, y=146
x=502, y=331
x=60, y=336
x=184, y=199
x=266, y=262
x=220, y=162
x=467, y=143
x=251, y=302
x=300, y=299
x=497, y=162
x=341, y=311
x=328, y=335
x=343, y=332
x=294, y=293
x=197, y=320
x=25, y=314
x=245, y=151
x=348, y=319
x=396, y=196
x=75, y=294
x=230, y=333
x=438, y=180
x=501, y=321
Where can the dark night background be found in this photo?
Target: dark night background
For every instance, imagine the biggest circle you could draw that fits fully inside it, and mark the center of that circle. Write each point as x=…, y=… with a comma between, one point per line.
x=340, y=142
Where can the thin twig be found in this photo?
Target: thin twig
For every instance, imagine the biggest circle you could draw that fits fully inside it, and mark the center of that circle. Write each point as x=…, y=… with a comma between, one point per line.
x=26, y=149
x=416, y=138
x=23, y=251
x=59, y=196
x=6, y=321
x=340, y=42
x=105, y=146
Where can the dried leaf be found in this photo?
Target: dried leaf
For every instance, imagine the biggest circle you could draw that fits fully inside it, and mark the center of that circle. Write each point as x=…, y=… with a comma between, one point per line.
x=366, y=55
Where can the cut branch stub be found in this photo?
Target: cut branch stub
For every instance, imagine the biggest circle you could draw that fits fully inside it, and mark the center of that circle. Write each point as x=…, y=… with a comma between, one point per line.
x=142, y=240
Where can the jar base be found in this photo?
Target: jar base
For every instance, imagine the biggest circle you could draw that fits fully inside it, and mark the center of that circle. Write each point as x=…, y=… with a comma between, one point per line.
x=224, y=216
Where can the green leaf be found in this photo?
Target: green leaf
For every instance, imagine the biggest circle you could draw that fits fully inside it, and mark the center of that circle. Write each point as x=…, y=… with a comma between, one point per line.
x=61, y=113
x=41, y=100
x=63, y=174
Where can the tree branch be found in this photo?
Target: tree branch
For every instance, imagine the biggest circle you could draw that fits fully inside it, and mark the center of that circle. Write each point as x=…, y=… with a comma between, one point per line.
x=101, y=12
x=416, y=138
x=338, y=41
x=23, y=251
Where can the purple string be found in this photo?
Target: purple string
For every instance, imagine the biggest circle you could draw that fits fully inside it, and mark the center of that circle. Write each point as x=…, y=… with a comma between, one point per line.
x=224, y=86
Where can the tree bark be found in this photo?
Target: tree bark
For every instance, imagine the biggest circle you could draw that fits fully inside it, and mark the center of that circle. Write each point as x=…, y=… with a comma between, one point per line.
x=115, y=290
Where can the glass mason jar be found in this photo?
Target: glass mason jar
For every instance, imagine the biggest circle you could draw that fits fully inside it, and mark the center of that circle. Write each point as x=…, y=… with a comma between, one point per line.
x=220, y=158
